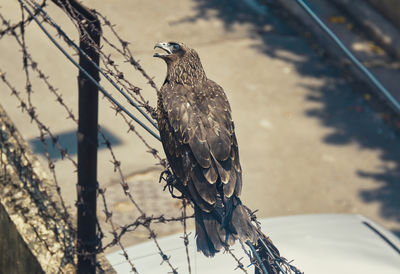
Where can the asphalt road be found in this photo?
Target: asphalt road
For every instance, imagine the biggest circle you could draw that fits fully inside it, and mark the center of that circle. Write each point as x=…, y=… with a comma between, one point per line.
x=309, y=142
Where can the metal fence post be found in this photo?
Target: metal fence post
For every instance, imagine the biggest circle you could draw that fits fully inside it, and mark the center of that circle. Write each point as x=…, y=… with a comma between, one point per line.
x=87, y=152
x=87, y=135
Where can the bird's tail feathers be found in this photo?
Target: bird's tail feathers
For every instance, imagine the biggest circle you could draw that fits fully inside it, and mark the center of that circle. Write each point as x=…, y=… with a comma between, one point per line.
x=242, y=224
x=215, y=233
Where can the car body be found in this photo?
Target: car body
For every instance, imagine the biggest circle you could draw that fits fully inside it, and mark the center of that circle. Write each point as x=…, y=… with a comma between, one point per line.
x=318, y=243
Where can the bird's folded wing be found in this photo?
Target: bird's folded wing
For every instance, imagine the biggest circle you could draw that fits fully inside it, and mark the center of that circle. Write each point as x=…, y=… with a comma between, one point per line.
x=201, y=121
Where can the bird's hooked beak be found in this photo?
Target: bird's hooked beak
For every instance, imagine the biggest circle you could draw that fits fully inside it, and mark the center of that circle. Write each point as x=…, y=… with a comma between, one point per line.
x=164, y=46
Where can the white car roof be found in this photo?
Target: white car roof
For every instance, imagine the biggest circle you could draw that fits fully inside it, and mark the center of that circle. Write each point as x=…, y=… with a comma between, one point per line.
x=319, y=243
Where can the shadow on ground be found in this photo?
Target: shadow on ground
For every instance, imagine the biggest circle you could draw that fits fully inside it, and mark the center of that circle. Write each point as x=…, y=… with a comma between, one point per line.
x=345, y=109
x=67, y=140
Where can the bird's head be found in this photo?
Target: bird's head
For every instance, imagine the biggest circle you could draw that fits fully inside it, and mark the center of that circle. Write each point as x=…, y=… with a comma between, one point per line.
x=173, y=51
x=183, y=63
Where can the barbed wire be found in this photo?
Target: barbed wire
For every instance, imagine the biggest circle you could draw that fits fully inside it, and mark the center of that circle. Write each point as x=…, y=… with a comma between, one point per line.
x=127, y=193
x=118, y=236
x=134, y=97
x=28, y=108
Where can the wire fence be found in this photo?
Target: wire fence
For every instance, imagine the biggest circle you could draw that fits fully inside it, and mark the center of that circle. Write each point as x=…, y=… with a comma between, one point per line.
x=263, y=255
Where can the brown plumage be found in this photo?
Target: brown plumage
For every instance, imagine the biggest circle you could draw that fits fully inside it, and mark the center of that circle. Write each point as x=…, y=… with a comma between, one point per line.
x=198, y=136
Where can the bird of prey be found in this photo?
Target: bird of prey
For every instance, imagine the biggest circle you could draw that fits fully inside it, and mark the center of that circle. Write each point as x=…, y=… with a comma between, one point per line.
x=198, y=136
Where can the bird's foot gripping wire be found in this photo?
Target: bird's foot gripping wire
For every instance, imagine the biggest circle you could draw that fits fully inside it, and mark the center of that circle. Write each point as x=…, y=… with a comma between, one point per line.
x=168, y=177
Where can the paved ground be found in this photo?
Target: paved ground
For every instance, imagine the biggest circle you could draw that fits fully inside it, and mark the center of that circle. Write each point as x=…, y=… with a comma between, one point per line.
x=309, y=143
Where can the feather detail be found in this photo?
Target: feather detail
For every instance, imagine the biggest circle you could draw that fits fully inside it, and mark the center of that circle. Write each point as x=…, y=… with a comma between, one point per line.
x=207, y=191
x=229, y=187
x=203, y=205
x=210, y=174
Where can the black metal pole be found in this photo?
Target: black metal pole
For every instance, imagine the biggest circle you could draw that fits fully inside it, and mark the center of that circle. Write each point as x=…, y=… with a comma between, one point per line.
x=87, y=239
x=87, y=158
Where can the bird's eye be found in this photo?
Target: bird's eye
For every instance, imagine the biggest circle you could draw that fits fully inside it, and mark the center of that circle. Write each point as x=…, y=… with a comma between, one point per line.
x=176, y=47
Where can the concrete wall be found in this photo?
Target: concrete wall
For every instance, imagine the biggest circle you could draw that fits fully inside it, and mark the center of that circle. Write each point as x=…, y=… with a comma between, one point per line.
x=32, y=228
x=389, y=8
x=34, y=235
x=15, y=256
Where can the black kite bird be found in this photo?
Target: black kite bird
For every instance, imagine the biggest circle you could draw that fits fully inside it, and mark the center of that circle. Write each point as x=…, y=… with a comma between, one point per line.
x=198, y=136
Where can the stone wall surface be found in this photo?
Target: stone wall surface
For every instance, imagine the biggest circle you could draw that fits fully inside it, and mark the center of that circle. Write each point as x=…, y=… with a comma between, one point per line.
x=15, y=256
x=36, y=233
